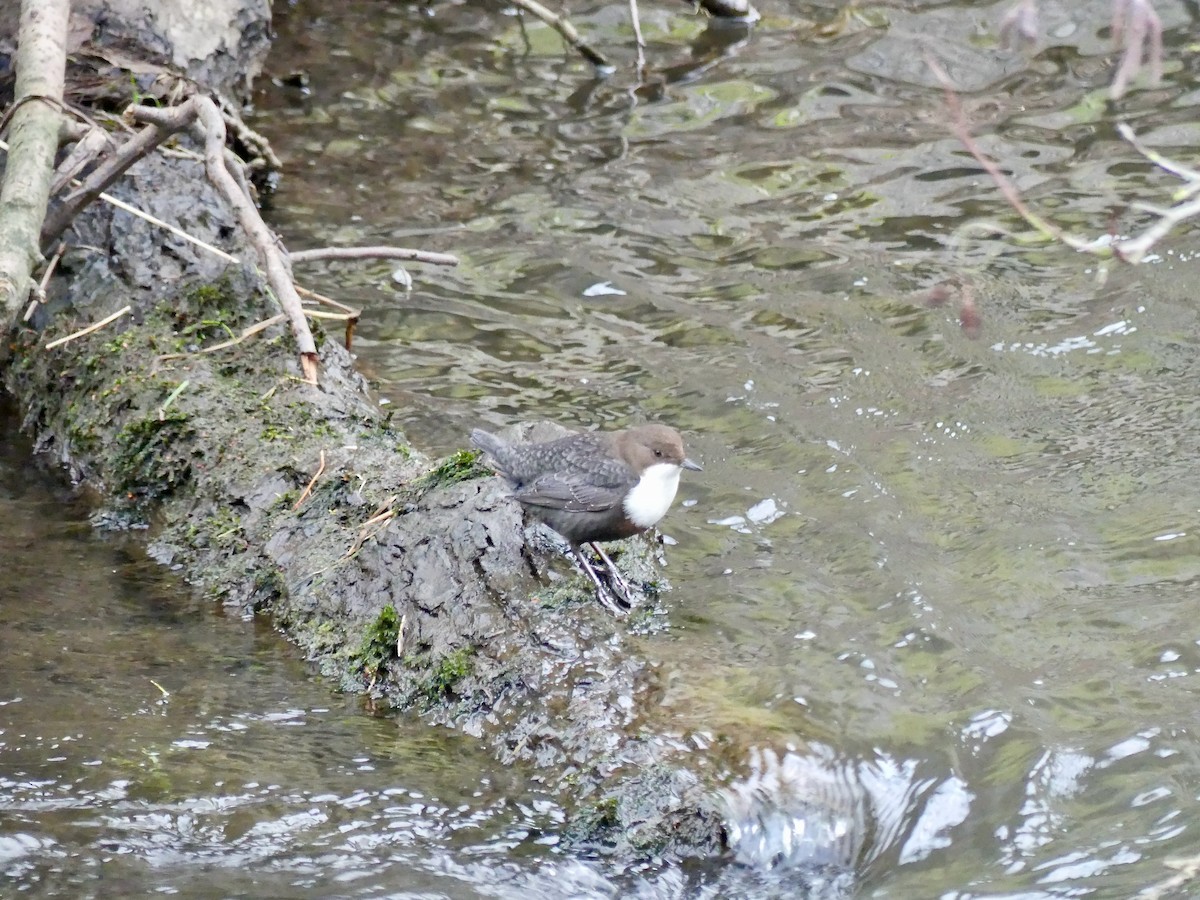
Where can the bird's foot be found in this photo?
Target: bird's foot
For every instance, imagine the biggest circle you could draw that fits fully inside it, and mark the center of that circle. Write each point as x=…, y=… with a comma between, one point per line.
x=616, y=580
x=615, y=595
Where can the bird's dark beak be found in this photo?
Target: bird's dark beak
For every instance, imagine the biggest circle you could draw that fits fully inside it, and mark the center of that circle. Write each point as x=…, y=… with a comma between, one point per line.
x=695, y=467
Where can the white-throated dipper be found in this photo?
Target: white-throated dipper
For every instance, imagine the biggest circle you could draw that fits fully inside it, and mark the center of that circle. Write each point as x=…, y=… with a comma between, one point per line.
x=595, y=486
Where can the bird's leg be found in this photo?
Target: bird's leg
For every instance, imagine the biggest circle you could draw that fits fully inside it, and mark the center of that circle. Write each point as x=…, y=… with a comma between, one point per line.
x=619, y=584
x=602, y=593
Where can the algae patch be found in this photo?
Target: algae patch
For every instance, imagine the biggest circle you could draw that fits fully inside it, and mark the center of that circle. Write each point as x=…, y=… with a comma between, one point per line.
x=453, y=668
x=149, y=463
x=379, y=644
x=462, y=465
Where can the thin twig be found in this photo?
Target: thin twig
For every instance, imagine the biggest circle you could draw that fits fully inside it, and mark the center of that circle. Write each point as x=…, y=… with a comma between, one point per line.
x=247, y=332
x=83, y=332
x=637, y=36
x=178, y=232
x=383, y=514
x=39, y=294
x=349, y=314
x=1135, y=249
x=564, y=27
x=343, y=253
x=86, y=148
x=275, y=267
x=104, y=175
x=350, y=311
x=308, y=490
x=154, y=220
x=1192, y=176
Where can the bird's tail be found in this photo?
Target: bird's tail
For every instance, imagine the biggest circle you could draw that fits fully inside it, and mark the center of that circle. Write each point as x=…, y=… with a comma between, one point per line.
x=489, y=444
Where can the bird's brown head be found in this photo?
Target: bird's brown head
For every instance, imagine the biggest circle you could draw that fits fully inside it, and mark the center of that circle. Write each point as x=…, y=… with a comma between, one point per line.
x=646, y=445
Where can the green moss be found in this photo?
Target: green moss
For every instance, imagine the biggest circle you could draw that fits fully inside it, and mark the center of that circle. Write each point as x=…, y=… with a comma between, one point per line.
x=453, y=668
x=210, y=299
x=225, y=529
x=462, y=465
x=378, y=646
x=148, y=464
x=440, y=677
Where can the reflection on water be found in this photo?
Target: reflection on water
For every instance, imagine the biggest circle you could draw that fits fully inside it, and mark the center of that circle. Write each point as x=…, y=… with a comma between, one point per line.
x=933, y=622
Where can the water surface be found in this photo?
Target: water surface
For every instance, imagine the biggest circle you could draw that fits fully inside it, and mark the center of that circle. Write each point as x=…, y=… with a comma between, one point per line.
x=940, y=581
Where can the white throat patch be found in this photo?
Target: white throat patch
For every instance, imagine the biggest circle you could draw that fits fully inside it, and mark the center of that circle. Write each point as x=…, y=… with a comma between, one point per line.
x=652, y=496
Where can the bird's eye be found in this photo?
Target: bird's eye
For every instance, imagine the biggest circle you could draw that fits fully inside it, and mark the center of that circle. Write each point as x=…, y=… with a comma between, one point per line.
x=658, y=453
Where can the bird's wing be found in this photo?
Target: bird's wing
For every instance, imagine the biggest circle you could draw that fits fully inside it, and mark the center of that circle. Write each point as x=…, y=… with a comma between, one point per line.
x=578, y=492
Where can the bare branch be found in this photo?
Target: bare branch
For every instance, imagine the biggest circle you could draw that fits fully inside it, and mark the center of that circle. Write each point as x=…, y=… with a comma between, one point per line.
x=108, y=172
x=279, y=276
x=344, y=253
x=564, y=27
x=1134, y=250
x=274, y=264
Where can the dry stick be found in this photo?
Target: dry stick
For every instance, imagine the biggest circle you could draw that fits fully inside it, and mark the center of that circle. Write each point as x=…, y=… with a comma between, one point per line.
x=383, y=514
x=637, y=35
x=279, y=278
x=86, y=148
x=83, y=332
x=1131, y=251
x=248, y=331
x=41, y=63
x=425, y=256
x=108, y=172
x=161, y=123
x=349, y=315
x=566, y=29
x=308, y=490
x=1179, y=170
x=39, y=295
x=347, y=311
x=178, y=232
x=154, y=220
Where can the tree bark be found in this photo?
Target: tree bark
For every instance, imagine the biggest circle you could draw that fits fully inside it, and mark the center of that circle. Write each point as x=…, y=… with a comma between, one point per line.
x=41, y=68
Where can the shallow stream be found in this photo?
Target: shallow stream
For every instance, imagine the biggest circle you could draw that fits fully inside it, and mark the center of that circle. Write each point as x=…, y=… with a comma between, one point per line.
x=941, y=578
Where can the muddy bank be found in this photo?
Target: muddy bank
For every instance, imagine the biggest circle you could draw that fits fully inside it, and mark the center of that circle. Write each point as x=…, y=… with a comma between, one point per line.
x=405, y=578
